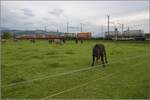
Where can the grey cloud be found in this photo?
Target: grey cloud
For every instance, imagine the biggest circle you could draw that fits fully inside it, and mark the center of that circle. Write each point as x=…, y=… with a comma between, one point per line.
x=13, y=15
x=56, y=12
x=27, y=12
x=12, y=19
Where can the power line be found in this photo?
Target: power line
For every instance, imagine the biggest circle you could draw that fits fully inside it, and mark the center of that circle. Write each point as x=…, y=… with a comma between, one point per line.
x=45, y=28
x=81, y=26
x=108, y=24
x=67, y=27
x=102, y=30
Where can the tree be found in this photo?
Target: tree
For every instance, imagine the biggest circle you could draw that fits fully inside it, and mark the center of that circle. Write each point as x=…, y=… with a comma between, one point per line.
x=7, y=35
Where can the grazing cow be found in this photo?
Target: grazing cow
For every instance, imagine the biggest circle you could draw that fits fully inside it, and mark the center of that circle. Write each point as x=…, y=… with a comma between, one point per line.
x=58, y=41
x=32, y=40
x=50, y=41
x=76, y=41
x=99, y=52
x=64, y=41
x=81, y=41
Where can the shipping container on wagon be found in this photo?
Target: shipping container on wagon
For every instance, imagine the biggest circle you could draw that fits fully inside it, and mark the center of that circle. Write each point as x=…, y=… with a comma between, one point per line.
x=84, y=35
x=26, y=37
x=39, y=36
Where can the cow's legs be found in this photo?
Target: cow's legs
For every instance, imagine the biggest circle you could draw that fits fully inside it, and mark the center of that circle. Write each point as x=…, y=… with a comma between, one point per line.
x=102, y=59
x=106, y=59
x=93, y=60
x=96, y=60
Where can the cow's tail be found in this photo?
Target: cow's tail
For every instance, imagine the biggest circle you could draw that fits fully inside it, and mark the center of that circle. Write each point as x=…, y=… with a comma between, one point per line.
x=105, y=55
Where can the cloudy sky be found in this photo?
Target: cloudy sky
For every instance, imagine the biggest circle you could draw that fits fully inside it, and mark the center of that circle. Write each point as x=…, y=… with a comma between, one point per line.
x=92, y=14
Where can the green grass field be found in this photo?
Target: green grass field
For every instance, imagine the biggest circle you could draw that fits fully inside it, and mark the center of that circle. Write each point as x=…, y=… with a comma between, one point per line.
x=45, y=71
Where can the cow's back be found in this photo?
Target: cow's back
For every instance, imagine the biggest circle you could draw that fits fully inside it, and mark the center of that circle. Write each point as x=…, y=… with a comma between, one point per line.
x=98, y=49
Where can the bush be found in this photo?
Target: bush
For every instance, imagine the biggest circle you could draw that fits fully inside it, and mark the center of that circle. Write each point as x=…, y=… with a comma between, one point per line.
x=7, y=35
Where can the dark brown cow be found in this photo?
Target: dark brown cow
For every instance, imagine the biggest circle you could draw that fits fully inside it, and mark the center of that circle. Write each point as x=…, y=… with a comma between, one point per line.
x=32, y=40
x=81, y=41
x=50, y=41
x=99, y=52
x=64, y=41
x=76, y=40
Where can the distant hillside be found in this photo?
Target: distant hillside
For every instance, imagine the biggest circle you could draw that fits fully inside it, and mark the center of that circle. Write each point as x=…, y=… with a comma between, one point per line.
x=19, y=32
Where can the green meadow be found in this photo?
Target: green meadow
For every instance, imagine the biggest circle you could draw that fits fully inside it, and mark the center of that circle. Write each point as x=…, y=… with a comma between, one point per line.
x=48, y=71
